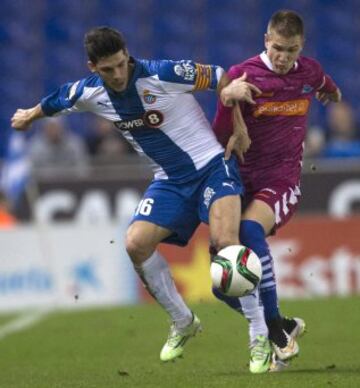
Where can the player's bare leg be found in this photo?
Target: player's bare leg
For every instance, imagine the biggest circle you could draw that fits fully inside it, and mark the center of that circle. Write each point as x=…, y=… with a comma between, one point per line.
x=224, y=219
x=141, y=242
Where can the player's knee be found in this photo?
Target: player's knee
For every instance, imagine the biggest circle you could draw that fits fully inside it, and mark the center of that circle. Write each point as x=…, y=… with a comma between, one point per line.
x=253, y=236
x=223, y=241
x=137, y=248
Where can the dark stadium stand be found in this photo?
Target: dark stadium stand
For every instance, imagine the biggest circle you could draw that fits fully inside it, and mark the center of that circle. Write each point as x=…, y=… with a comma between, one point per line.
x=41, y=41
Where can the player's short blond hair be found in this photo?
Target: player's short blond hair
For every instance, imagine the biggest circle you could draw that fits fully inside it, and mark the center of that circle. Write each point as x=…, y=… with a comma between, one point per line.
x=286, y=23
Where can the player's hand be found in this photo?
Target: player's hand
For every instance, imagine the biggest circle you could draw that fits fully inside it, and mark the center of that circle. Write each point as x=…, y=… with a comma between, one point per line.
x=325, y=98
x=239, y=90
x=238, y=144
x=21, y=119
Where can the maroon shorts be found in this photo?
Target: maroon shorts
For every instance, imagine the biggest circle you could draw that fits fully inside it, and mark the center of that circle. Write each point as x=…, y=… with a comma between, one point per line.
x=281, y=197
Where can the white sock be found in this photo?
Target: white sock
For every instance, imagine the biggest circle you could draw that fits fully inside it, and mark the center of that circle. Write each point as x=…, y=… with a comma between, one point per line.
x=254, y=313
x=156, y=276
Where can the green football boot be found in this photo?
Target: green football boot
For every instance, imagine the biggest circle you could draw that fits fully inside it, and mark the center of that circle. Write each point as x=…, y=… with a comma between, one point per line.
x=260, y=355
x=174, y=346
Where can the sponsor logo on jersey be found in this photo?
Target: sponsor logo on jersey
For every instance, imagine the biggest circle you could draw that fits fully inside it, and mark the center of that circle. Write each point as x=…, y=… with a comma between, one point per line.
x=151, y=118
x=282, y=108
x=185, y=70
x=148, y=97
x=128, y=125
x=306, y=89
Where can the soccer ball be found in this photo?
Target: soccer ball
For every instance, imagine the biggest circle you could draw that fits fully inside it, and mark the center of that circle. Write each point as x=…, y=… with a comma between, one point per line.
x=235, y=270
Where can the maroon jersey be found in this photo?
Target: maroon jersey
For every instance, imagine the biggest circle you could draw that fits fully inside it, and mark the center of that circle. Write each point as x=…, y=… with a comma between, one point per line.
x=277, y=123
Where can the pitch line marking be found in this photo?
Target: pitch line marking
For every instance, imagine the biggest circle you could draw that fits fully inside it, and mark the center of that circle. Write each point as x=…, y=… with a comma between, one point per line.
x=22, y=322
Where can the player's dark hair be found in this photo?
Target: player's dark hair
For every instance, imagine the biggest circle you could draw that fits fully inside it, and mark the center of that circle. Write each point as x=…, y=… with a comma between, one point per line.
x=286, y=23
x=101, y=42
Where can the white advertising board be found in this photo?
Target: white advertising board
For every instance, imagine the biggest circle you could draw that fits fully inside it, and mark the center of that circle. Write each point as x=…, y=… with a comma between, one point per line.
x=65, y=265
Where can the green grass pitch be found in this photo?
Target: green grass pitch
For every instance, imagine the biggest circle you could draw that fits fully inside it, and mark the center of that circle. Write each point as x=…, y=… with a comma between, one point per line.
x=120, y=348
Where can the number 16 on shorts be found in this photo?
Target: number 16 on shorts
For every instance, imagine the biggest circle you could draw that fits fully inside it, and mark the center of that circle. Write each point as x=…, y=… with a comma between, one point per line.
x=145, y=206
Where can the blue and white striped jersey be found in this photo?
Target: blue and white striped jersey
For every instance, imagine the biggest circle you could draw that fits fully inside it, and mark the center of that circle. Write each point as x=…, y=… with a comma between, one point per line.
x=156, y=113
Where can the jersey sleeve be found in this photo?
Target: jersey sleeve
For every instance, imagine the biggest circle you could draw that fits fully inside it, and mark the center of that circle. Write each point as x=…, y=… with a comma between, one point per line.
x=323, y=82
x=223, y=120
x=66, y=99
x=327, y=85
x=188, y=76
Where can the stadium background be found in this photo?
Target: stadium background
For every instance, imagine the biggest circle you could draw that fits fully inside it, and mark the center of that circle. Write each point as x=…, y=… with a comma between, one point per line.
x=65, y=250
x=42, y=44
x=71, y=227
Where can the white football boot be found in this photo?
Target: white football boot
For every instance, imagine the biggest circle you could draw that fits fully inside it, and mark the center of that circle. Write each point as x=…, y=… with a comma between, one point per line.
x=278, y=364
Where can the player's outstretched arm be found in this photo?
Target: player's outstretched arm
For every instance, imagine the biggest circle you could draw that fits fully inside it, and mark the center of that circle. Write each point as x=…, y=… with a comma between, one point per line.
x=23, y=118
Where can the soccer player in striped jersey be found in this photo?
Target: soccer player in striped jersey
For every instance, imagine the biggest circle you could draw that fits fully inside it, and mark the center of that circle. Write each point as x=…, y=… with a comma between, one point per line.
x=272, y=167
x=151, y=104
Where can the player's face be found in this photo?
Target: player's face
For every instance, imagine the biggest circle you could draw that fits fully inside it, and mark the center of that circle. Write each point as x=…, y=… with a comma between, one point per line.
x=282, y=51
x=114, y=70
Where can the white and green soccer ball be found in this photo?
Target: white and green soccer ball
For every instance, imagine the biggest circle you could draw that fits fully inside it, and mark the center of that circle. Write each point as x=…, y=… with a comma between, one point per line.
x=235, y=270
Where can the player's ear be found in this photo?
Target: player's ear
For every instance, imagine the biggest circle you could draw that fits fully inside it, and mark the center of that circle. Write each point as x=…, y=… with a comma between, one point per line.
x=266, y=40
x=91, y=66
x=302, y=43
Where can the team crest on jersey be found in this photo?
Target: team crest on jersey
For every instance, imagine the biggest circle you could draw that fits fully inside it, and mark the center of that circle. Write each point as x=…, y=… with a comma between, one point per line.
x=185, y=70
x=153, y=118
x=306, y=89
x=148, y=97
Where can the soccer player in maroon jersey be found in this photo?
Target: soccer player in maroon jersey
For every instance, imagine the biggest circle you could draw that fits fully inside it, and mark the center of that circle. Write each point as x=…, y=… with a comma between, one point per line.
x=276, y=124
